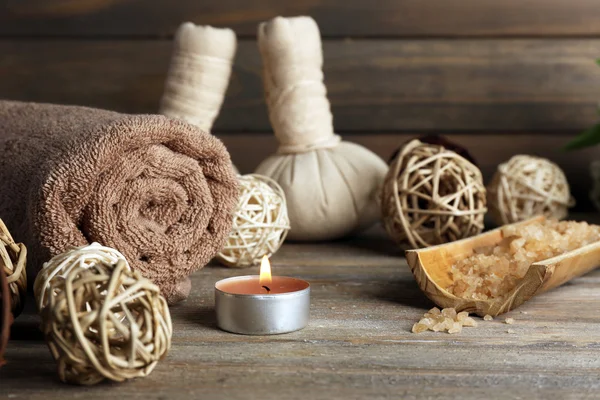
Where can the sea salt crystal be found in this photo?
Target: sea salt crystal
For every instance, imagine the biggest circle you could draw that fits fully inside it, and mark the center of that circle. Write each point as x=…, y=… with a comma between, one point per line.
x=509, y=321
x=419, y=327
x=456, y=328
x=446, y=320
x=434, y=311
x=462, y=315
x=488, y=317
x=428, y=322
x=449, y=312
x=438, y=327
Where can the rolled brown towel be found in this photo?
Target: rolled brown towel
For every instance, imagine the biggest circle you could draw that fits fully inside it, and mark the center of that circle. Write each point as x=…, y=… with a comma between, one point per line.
x=159, y=190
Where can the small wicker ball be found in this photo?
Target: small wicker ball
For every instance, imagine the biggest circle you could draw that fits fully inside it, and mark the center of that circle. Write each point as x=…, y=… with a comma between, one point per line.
x=76, y=257
x=14, y=260
x=260, y=222
x=527, y=186
x=106, y=322
x=432, y=195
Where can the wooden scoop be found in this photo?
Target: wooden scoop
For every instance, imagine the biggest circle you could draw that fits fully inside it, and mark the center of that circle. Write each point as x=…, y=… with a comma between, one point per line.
x=431, y=268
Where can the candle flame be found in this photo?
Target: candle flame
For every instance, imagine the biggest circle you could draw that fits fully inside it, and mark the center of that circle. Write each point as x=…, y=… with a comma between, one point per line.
x=265, y=272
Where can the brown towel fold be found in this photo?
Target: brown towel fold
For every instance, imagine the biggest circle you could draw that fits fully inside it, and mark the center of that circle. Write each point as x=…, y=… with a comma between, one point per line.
x=160, y=191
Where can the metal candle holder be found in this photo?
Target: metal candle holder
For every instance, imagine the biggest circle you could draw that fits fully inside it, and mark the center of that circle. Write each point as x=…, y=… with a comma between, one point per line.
x=262, y=314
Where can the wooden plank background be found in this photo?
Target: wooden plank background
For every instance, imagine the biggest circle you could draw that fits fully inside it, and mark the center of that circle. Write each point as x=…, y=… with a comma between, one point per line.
x=337, y=18
x=502, y=78
x=373, y=85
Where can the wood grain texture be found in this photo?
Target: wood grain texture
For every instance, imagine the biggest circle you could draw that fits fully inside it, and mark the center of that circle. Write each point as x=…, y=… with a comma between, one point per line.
x=248, y=150
x=336, y=17
x=374, y=85
x=358, y=344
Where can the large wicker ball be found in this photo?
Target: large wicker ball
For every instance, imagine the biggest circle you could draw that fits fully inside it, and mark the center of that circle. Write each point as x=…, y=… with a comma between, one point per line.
x=61, y=265
x=260, y=222
x=14, y=260
x=527, y=186
x=432, y=195
x=106, y=322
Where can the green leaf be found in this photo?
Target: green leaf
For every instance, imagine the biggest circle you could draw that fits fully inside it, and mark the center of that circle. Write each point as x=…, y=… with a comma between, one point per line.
x=587, y=138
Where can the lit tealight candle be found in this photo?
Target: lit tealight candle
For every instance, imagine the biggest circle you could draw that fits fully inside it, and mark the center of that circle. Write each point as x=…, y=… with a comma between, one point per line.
x=262, y=304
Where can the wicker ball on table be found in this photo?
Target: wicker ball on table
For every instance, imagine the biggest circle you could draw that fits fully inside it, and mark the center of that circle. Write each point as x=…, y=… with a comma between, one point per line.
x=432, y=195
x=14, y=260
x=61, y=265
x=13, y=284
x=104, y=321
x=260, y=222
x=527, y=186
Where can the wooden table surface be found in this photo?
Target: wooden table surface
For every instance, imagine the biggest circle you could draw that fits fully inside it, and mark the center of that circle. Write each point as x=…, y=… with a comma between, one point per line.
x=358, y=344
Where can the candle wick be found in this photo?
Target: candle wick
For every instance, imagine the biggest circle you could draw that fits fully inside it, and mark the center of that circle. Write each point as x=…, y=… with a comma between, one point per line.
x=267, y=289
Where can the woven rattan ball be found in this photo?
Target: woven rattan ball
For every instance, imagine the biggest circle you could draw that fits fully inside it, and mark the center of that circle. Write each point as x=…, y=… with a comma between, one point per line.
x=431, y=195
x=14, y=260
x=76, y=257
x=106, y=322
x=260, y=222
x=527, y=186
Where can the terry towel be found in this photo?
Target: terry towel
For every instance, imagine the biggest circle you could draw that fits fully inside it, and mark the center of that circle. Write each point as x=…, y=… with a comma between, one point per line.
x=159, y=190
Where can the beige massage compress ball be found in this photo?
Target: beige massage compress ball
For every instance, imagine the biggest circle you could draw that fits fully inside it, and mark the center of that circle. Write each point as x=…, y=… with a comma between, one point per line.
x=331, y=186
